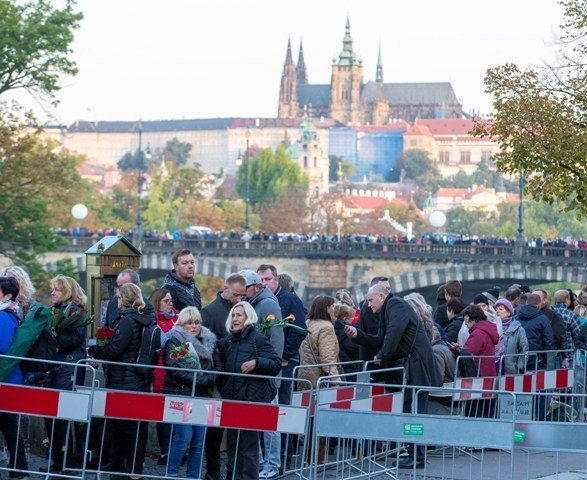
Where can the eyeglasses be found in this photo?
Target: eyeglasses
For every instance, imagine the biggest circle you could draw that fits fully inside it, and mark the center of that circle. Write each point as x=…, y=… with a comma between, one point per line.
x=170, y=300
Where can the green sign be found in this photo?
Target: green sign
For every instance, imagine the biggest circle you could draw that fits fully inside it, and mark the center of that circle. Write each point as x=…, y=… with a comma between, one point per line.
x=413, y=429
x=519, y=436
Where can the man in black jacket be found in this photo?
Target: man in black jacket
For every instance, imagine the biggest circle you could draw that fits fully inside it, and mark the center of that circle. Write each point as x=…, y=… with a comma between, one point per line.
x=215, y=313
x=112, y=311
x=180, y=281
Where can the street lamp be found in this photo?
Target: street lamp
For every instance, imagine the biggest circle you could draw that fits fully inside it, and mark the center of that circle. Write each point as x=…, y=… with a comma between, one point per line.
x=139, y=229
x=339, y=223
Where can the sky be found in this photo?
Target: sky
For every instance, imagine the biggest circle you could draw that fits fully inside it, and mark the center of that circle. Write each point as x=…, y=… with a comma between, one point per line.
x=174, y=59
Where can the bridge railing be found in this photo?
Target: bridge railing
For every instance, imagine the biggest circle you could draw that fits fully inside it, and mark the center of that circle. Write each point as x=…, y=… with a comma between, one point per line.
x=351, y=249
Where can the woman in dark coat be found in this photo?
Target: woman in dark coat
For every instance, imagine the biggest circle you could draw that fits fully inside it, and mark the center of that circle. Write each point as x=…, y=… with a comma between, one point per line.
x=124, y=347
x=69, y=301
x=243, y=351
x=202, y=355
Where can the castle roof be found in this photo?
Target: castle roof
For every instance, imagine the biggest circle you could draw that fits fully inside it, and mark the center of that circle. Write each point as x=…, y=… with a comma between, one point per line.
x=420, y=130
x=438, y=93
x=83, y=126
x=447, y=126
x=316, y=95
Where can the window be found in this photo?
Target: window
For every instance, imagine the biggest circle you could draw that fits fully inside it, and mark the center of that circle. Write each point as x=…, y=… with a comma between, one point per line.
x=305, y=162
x=443, y=157
x=486, y=156
x=315, y=162
x=466, y=156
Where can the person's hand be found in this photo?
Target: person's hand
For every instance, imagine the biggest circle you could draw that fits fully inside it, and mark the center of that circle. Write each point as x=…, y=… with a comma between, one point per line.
x=566, y=363
x=455, y=346
x=377, y=360
x=248, y=366
x=350, y=331
x=284, y=363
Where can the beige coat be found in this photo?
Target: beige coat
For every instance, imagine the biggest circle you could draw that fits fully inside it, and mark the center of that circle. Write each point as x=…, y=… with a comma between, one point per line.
x=320, y=346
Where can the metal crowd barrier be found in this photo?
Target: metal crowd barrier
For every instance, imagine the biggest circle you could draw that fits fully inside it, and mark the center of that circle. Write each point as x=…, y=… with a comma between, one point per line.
x=20, y=401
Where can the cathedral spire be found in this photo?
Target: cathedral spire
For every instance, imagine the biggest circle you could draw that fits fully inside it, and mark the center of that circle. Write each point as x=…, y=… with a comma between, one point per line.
x=288, y=55
x=301, y=68
x=347, y=56
x=379, y=73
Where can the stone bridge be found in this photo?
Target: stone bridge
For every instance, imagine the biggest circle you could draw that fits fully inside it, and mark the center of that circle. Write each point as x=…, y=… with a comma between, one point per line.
x=324, y=267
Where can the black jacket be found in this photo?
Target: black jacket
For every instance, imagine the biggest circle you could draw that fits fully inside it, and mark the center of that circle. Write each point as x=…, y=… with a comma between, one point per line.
x=348, y=350
x=441, y=316
x=237, y=348
x=537, y=327
x=124, y=347
x=368, y=333
x=453, y=328
x=290, y=304
x=403, y=334
x=179, y=382
x=214, y=315
x=559, y=331
x=184, y=294
x=72, y=348
x=113, y=312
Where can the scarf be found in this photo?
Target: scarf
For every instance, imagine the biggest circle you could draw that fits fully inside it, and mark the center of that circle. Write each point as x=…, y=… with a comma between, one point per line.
x=169, y=315
x=8, y=305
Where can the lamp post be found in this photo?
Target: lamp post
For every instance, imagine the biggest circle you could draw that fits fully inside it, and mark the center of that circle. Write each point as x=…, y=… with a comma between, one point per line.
x=339, y=223
x=520, y=240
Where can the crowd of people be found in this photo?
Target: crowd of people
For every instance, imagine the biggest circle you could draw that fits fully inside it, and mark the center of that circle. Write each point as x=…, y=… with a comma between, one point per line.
x=428, y=238
x=238, y=347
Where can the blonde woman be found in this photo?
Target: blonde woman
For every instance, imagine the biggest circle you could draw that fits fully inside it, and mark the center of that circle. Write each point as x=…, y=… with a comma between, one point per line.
x=124, y=347
x=25, y=298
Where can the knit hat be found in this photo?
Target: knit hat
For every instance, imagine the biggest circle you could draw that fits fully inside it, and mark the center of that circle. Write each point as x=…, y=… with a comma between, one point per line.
x=506, y=303
x=481, y=298
x=494, y=292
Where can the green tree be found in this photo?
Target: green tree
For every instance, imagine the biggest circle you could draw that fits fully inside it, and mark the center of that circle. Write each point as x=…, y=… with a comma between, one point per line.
x=336, y=164
x=33, y=175
x=417, y=165
x=269, y=176
x=35, y=41
x=131, y=161
x=540, y=114
x=177, y=152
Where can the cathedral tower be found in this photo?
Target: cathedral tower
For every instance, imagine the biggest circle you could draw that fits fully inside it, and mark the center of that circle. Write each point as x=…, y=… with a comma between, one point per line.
x=379, y=72
x=288, y=90
x=302, y=74
x=346, y=82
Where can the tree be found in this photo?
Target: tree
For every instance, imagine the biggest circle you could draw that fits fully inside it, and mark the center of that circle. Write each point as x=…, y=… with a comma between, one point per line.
x=285, y=213
x=336, y=164
x=35, y=41
x=177, y=152
x=270, y=176
x=33, y=175
x=540, y=114
x=132, y=161
x=416, y=165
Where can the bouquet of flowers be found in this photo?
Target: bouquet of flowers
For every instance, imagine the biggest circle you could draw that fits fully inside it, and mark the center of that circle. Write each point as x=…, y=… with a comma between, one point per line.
x=67, y=320
x=286, y=322
x=185, y=353
x=104, y=334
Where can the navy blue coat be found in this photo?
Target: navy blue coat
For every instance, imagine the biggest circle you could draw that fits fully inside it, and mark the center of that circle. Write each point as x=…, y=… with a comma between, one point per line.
x=291, y=304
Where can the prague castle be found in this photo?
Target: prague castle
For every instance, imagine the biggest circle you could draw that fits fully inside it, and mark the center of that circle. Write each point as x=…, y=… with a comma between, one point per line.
x=352, y=101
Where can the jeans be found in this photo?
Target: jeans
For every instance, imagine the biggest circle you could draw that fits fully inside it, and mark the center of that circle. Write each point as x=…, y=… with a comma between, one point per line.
x=272, y=450
x=186, y=438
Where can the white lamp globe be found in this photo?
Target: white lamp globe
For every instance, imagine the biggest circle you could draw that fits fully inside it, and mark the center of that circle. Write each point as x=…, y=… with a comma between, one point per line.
x=437, y=219
x=79, y=211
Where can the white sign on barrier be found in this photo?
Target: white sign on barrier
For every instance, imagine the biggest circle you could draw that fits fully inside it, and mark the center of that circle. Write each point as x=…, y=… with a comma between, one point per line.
x=523, y=407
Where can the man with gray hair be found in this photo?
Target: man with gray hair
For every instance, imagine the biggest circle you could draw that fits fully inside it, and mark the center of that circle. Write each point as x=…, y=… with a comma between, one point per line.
x=113, y=313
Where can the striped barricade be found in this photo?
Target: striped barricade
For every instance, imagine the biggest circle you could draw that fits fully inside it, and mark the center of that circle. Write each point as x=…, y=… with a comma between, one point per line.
x=45, y=402
x=537, y=381
x=474, y=383
x=307, y=398
x=385, y=403
x=208, y=412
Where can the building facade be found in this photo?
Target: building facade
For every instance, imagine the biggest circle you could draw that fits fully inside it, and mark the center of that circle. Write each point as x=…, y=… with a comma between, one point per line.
x=352, y=101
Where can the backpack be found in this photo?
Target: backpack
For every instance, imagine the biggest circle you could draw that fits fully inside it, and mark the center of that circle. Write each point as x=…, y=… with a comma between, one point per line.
x=466, y=365
x=150, y=350
x=44, y=348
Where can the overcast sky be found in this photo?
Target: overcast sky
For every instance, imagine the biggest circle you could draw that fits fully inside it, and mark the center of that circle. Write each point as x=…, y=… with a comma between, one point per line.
x=223, y=58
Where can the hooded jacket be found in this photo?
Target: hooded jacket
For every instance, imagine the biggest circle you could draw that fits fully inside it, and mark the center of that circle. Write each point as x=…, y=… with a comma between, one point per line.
x=179, y=382
x=124, y=347
x=483, y=338
x=515, y=343
x=184, y=294
x=537, y=327
x=265, y=303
